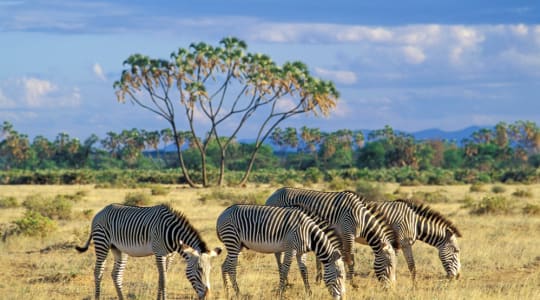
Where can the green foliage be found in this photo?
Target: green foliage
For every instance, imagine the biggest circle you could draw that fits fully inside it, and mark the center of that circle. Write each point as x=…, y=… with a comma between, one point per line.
x=8, y=202
x=495, y=204
x=35, y=224
x=498, y=189
x=313, y=175
x=523, y=193
x=137, y=199
x=58, y=208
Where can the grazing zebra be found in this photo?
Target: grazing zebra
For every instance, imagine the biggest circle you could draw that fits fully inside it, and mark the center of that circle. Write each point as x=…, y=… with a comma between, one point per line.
x=353, y=222
x=143, y=231
x=272, y=230
x=413, y=221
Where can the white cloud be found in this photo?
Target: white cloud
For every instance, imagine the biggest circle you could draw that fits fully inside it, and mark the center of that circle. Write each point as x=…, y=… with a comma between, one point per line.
x=98, y=71
x=5, y=102
x=519, y=30
x=344, y=77
x=36, y=89
x=414, y=55
x=467, y=39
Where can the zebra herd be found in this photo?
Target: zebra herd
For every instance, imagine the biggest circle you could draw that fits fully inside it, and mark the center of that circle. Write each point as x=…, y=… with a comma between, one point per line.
x=291, y=223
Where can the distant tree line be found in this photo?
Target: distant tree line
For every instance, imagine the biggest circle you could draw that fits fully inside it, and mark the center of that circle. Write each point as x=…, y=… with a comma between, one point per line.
x=510, y=150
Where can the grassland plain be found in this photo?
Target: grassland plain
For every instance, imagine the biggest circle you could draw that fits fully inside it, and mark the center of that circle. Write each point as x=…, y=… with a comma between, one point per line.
x=500, y=253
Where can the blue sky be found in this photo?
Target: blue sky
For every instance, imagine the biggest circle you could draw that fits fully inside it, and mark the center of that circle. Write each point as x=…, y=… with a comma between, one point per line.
x=410, y=64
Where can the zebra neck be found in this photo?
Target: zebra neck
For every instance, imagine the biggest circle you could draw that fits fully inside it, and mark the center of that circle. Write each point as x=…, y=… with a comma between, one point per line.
x=373, y=230
x=430, y=232
x=320, y=245
x=181, y=233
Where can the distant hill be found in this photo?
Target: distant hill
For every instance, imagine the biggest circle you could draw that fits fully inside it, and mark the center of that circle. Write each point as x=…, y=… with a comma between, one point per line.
x=427, y=134
x=434, y=133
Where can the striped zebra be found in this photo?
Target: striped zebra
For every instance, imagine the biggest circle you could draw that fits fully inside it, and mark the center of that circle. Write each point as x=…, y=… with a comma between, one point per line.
x=413, y=221
x=143, y=231
x=353, y=222
x=275, y=230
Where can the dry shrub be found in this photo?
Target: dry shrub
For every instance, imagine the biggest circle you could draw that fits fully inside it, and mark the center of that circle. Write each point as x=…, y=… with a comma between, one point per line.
x=58, y=208
x=35, y=224
x=230, y=198
x=431, y=197
x=522, y=193
x=492, y=205
x=498, y=189
x=137, y=199
x=531, y=209
x=159, y=190
x=477, y=188
x=8, y=202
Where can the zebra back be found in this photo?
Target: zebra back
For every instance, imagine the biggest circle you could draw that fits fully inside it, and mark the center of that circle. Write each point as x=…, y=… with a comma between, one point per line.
x=425, y=212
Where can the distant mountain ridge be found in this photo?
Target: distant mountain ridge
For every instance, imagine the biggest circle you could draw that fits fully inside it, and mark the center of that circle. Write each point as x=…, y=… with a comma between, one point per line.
x=426, y=134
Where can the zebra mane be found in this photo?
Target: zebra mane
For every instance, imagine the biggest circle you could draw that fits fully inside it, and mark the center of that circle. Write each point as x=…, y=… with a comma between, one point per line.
x=329, y=231
x=384, y=223
x=425, y=211
x=185, y=222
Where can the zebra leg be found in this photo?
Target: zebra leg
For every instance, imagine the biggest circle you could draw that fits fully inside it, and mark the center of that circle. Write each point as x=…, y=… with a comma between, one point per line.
x=319, y=277
x=301, y=258
x=284, y=271
x=407, y=252
x=161, y=262
x=120, y=260
x=228, y=268
x=169, y=260
x=348, y=257
x=102, y=250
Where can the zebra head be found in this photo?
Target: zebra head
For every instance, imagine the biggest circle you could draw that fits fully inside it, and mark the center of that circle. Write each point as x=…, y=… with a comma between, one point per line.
x=198, y=269
x=334, y=276
x=385, y=263
x=449, y=255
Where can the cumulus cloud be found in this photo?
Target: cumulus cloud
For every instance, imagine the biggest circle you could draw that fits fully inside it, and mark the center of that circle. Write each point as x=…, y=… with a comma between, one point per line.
x=466, y=39
x=414, y=55
x=31, y=92
x=98, y=71
x=36, y=89
x=344, y=77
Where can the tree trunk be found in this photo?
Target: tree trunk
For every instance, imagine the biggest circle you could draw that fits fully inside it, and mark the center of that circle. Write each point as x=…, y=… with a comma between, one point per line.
x=181, y=158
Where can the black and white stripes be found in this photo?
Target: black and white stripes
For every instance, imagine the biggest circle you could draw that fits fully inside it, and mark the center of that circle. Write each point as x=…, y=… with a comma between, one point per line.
x=144, y=231
x=353, y=220
x=275, y=230
x=413, y=221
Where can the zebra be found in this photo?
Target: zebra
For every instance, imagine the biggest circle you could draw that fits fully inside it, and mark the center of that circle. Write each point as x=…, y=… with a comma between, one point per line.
x=142, y=231
x=353, y=221
x=274, y=230
x=413, y=221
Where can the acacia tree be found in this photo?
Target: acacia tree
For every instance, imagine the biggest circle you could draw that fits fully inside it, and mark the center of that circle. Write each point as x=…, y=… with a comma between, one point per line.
x=225, y=85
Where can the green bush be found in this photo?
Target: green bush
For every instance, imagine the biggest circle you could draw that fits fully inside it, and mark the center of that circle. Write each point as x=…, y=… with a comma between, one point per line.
x=313, y=175
x=492, y=205
x=35, y=224
x=498, y=189
x=523, y=193
x=8, y=202
x=58, y=207
x=137, y=199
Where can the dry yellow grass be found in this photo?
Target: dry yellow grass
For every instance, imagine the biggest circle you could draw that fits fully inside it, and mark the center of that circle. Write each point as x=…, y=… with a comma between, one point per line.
x=500, y=254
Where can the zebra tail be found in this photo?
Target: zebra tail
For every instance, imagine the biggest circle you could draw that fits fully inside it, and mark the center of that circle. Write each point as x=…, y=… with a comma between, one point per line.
x=85, y=247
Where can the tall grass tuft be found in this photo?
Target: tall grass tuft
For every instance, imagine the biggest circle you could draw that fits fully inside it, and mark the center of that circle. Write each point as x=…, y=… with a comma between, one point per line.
x=495, y=204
